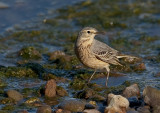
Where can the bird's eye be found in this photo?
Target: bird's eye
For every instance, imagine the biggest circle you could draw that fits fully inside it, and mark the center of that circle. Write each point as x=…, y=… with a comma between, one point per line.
x=88, y=32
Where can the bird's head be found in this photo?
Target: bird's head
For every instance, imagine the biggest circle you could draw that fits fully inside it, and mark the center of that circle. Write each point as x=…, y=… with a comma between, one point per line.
x=88, y=33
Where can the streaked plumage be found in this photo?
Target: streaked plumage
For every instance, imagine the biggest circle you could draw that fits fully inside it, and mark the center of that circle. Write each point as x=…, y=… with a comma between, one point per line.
x=95, y=54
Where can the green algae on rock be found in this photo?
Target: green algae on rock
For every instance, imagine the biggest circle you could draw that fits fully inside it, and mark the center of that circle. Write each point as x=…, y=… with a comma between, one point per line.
x=29, y=53
x=17, y=72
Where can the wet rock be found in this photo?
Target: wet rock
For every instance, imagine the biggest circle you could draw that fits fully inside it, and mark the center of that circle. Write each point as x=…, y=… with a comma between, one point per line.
x=86, y=93
x=61, y=111
x=90, y=106
x=56, y=54
x=132, y=90
x=116, y=103
x=131, y=110
x=3, y=5
x=151, y=96
x=50, y=88
x=51, y=101
x=144, y=109
x=29, y=53
x=61, y=91
x=91, y=111
x=134, y=102
x=139, y=67
x=72, y=105
x=44, y=109
x=14, y=95
x=18, y=72
x=97, y=97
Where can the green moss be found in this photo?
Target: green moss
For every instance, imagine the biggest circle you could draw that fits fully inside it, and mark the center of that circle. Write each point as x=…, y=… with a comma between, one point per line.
x=29, y=53
x=8, y=107
x=78, y=84
x=61, y=91
x=17, y=72
x=32, y=100
x=7, y=101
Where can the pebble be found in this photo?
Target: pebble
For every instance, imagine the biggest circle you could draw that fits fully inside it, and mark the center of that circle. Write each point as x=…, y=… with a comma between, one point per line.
x=14, y=95
x=44, y=109
x=73, y=105
x=132, y=90
x=50, y=88
x=151, y=96
x=116, y=103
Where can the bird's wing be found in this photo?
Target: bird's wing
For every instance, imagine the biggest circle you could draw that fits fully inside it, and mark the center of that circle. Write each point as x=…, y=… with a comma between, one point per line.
x=104, y=52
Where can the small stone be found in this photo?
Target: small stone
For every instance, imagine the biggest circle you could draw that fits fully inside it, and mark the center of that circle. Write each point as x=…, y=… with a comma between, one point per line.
x=91, y=111
x=73, y=105
x=50, y=88
x=140, y=67
x=44, y=109
x=151, y=96
x=3, y=5
x=14, y=95
x=132, y=90
x=117, y=103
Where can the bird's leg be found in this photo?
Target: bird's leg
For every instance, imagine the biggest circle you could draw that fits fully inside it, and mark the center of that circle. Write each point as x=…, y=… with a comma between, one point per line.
x=108, y=70
x=92, y=76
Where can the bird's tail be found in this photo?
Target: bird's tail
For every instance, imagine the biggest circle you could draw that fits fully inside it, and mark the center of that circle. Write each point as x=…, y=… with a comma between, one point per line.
x=128, y=58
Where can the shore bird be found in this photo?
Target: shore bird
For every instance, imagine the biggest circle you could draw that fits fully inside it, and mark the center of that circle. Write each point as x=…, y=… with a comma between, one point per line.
x=95, y=54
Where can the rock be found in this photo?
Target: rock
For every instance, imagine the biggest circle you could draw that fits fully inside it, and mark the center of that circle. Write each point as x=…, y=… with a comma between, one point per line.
x=144, y=109
x=29, y=53
x=3, y=5
x=90, y=106
x=56, y=54
x=117, y=104
x=44, y=109
x=61, y=111
x=151, y=96
x=134, y=102
x=61, y=91
x=91, y=111
x=139, y=67
x=14, y=95
x=72, y=105
x=50, y=88
x=86, y=93
x=132, y=90
x=131, y=110
x=97, y=97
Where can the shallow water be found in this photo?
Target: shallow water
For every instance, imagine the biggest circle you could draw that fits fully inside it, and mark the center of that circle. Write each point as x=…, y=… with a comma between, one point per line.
x=136, y=34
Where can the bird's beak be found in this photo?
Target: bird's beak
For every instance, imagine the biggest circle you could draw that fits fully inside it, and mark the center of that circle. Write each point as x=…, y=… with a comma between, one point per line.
x=101, y=33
